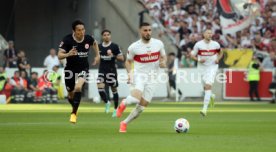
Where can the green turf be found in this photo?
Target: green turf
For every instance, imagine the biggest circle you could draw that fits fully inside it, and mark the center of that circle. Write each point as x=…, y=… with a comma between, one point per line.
x=229, y=127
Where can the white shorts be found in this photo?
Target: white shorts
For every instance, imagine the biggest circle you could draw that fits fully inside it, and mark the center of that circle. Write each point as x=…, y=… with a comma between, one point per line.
x=208, y=73
x=146, y=87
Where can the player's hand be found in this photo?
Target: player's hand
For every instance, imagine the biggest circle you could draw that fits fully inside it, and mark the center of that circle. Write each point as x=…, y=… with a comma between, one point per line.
x=202, y=60
x=72, y=52
x=96, y=60
x=109, y=53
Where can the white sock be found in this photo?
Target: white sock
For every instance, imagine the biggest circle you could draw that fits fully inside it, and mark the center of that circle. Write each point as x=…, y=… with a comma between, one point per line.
x=130, y=100
x=207, y=97
x=134, y=113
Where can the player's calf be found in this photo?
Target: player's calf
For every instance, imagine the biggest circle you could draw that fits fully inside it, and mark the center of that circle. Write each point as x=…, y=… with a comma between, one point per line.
x=129, y=100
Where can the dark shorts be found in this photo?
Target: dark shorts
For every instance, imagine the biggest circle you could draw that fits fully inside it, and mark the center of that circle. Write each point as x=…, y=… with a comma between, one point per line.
x=109, y=78
x=71, y=76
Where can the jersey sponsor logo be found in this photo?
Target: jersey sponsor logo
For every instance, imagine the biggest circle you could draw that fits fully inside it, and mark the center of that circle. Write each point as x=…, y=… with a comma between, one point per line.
x=104, y=57
x=208, y=52
x=61, y=44
x=146, y=58
x=83, y=54
x=86, y=46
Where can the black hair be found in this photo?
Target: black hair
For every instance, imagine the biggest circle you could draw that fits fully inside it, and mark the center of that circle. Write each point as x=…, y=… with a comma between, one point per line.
x=144, y=24
x=106, y=30
x=75, y=23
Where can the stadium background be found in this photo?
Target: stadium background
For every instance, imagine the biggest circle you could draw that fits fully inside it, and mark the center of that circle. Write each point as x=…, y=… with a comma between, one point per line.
x=240, y=125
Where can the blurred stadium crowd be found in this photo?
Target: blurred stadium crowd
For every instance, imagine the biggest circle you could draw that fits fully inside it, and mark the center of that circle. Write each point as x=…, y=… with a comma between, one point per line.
x=186, y=19
x=26, y=85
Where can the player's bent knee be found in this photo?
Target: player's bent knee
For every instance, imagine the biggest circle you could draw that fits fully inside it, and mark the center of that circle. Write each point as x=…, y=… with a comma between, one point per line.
x=114, y=89
x=136, y=94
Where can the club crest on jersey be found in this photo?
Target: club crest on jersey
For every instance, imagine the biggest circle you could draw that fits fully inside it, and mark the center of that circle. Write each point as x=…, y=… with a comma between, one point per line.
x=86, y=46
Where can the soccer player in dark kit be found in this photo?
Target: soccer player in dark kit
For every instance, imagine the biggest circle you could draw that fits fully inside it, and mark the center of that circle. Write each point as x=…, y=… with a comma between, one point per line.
x=109, y=52
x=75, y=48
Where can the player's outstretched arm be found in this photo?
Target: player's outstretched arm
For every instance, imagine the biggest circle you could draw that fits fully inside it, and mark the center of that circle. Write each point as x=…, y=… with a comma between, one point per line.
x=62, y=53
x=97, y=53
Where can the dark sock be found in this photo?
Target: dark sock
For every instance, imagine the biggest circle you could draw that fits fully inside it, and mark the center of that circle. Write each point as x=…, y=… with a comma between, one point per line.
x=103, y=95
x=116, y=99
x=76, y=102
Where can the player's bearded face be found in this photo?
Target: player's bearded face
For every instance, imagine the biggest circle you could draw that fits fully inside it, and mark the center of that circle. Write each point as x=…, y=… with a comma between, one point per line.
x=146, y=33
x=79, y=32
x=106, y=37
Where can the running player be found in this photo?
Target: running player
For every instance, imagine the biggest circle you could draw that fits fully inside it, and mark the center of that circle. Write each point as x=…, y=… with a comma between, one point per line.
x=208, y=54
x=75, y=48
x=109, y=52
x=148, y=55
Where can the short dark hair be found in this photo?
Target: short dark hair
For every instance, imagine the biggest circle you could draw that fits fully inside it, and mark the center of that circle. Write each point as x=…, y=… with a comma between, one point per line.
x=106, y=30
x=75, y=23
x=144, y=24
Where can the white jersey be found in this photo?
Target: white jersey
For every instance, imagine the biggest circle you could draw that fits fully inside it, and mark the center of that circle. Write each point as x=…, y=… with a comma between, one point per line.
x=146, y=55
x=208, y=51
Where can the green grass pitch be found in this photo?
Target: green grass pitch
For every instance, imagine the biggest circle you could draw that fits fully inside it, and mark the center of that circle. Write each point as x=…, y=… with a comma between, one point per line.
x=229, y=127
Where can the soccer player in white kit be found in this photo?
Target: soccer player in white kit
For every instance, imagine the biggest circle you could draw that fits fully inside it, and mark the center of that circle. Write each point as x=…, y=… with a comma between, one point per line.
x=207, y=53
x=148, y=55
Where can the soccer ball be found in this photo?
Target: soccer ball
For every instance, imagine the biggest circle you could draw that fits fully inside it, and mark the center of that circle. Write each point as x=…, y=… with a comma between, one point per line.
x=181, y=125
